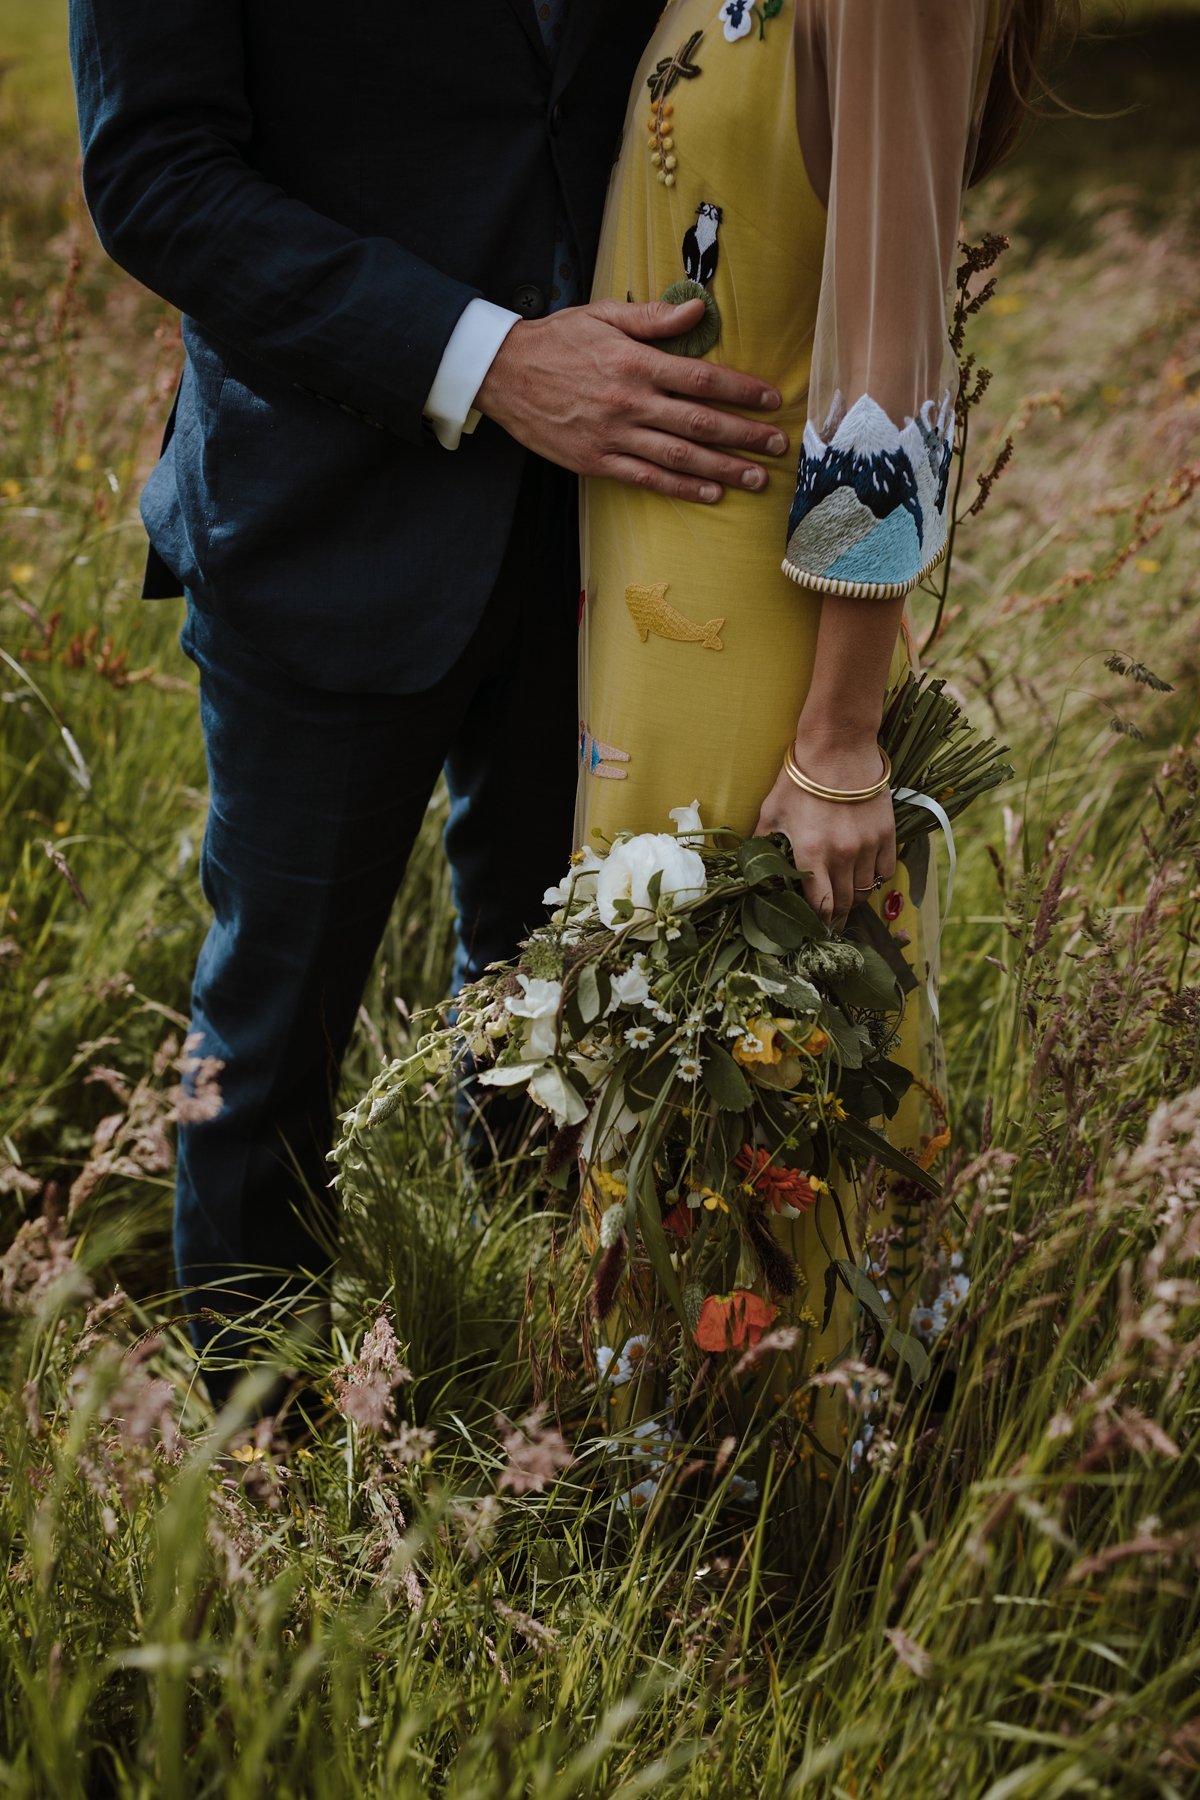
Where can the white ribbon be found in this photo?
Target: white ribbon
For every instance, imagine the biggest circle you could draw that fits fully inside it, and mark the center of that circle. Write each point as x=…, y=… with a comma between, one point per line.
x=940, y=815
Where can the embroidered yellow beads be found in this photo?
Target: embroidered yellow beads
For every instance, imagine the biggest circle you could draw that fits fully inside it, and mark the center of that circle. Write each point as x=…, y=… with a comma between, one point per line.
x=662, y=141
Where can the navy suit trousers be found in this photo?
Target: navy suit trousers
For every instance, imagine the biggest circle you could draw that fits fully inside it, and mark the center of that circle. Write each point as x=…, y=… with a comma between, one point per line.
x=316, y=799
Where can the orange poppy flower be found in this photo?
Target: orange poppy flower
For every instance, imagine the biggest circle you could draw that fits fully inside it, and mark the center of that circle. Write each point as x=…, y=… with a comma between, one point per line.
x=782, y=1187
x=733, y=1321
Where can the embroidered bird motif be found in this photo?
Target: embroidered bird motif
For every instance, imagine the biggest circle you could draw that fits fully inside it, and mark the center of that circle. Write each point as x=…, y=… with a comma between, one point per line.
x=700, y=244
x=650, y=612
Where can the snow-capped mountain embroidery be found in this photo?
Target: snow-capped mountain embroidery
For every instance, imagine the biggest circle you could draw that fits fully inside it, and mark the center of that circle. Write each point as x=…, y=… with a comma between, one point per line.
x=870, y=507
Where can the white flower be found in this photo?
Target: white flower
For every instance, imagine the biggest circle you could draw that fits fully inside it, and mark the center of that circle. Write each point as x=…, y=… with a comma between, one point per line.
x=630, y=866
x=627, y=1363
x=687, y=818
x=551, y=1089
x=957, y=1289
x=640, y=1036
x=856, y=1454
x=743, y=1491
x=602, y=1146
x=923, y=1322
x=688, y=1068
x=638, y=1497
x=539, y=1003
x=631, y=987
x=695, y=1200
x=751, y=1045
x=579, y=882
x=737, y=19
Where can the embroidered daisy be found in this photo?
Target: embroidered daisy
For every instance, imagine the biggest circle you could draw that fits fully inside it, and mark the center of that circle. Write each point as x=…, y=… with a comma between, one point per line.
x=735, y=16
x=640, y=1036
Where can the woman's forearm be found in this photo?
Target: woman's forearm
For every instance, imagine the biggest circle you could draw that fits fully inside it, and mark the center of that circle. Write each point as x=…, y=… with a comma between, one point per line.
x=839, y=722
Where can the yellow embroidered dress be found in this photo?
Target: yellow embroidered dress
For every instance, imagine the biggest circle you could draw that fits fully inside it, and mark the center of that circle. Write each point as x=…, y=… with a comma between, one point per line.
x=829, y=266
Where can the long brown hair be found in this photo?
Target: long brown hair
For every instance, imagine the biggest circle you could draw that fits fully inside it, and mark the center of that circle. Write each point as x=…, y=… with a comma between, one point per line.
x=1030, y=29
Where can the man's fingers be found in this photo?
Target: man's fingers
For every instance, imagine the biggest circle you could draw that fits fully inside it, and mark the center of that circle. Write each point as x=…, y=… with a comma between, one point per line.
x=686, y=458
x=687, y=374
x=658, y=480
x=707, y=425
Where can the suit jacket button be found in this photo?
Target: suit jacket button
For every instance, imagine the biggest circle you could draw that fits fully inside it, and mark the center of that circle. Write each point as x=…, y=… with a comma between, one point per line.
x=529, y=301
x=556, y=119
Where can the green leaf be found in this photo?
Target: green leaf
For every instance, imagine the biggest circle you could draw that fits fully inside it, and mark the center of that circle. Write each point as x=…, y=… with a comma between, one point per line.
x=865, y=927
x=800, y=995
x=655, y=1239
x=894, y=1079
x=727, y=954
x=848, y=1042
x=654, y=889
x=650, y=1075
x=588, y=989
x=853, y=1132
x=753, y=933
x=914, y=1354
x=801, y=913
x=906, y=1347
x=874, y=987
x=724, y=1080
x=761, y=859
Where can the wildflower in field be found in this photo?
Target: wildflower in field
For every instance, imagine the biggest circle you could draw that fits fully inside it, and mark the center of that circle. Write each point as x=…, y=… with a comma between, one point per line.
x=636, y=1499
x=743, y=1491
x=535, y=1455
x=477, y=1521
x=731, y=1321
x=364, y=1391
x=38, y=1273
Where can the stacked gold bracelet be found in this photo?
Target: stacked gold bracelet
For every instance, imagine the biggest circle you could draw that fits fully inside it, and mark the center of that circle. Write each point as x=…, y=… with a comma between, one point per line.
x=843, y=796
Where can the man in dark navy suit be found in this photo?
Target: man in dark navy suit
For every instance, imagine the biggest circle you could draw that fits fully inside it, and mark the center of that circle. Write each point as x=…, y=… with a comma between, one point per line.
x=376, y=220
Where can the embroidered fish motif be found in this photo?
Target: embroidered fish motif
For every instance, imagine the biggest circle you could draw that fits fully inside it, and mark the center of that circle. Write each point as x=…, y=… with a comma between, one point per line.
x=599, y=759
x=650, y=612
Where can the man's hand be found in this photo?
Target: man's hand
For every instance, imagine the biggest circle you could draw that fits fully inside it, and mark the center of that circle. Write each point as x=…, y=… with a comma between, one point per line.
x=587, y=388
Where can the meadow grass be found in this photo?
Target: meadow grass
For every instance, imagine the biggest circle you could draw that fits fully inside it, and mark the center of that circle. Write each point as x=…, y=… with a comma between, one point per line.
x=1010, y=1609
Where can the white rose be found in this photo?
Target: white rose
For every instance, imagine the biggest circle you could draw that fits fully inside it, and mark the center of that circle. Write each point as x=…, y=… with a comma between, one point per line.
x=578, y=883
x=551, y=1089
x=628, y=869
x=631, y=987
x=687, y=818
x=539, y=1003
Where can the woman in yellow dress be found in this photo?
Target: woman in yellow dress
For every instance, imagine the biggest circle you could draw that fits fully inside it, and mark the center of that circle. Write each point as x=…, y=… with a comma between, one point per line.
x=801, y=164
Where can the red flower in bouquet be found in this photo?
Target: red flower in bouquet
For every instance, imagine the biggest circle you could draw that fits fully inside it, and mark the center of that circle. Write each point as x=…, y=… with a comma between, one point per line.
x=733, y=1321
x=782, y=1187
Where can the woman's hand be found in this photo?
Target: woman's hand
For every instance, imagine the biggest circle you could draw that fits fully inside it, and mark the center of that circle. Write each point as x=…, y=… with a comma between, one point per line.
x=846, y=847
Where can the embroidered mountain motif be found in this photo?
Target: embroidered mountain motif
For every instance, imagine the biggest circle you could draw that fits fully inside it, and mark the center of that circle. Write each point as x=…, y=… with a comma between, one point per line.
x=700, y=244
x=650, y=612
x=870, y=506
x=599, y=759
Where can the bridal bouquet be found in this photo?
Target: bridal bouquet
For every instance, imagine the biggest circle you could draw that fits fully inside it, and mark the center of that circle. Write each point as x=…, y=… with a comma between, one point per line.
x=709, y=1053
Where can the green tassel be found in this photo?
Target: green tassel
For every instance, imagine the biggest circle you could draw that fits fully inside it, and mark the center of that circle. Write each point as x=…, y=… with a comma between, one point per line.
x=700, y=340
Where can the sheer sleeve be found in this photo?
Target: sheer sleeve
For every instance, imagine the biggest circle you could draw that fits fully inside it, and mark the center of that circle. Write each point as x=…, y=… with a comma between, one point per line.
x=887, y=97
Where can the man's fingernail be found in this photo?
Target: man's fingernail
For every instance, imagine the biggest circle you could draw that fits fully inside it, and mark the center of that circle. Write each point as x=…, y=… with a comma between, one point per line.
x=770, y=400
x=754, y=478
x=776, y=444
x=710, y=493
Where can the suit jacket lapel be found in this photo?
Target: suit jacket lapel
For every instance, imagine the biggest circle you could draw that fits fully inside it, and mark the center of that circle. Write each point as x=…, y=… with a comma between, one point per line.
x=525, y=14
x=582, y=18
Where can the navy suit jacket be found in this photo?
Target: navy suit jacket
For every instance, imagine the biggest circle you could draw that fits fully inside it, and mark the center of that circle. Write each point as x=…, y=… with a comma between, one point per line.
x=321, y=190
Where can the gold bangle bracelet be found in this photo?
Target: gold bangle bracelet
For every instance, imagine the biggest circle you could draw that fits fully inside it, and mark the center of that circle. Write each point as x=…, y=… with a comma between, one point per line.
x=842, y=796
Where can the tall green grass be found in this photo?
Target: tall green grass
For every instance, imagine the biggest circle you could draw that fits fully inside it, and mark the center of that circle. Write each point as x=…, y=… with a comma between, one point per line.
x=1009, y=1607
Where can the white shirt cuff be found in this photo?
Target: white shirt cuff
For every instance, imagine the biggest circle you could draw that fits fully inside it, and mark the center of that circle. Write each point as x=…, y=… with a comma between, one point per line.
x=465, y=361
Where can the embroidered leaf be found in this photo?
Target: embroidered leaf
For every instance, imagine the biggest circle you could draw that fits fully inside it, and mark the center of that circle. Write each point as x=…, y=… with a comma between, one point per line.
x=768, y=10
x=724, y=1080
x=673, y=69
